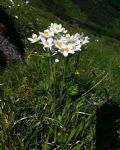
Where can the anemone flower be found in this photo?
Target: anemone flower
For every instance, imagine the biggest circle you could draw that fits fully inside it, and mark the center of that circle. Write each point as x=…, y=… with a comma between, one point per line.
x=47, y=33
x=34, y=38
x=47, y=43
x=57, y=28
x=67, y=49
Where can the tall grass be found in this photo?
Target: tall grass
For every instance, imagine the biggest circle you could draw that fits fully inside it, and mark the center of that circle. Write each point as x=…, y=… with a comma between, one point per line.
x=48, y=105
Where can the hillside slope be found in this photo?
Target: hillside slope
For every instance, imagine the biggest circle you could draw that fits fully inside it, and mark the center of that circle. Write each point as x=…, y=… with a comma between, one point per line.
x=48, y=105
x=99, y=16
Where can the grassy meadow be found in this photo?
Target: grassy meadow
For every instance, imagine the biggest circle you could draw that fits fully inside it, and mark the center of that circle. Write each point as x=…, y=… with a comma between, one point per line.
x=46, y=105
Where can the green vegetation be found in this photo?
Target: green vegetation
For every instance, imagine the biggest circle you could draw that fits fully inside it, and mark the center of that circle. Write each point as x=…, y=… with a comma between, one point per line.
x=47, y=105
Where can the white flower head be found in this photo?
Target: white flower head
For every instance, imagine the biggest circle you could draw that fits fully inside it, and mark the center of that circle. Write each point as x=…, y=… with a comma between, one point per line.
x=77, y=47
x=47, y=43
x=70, y=39
x=77, y=35
x=66, y=38
x=34, y=38
x=59, y=43
x=47, y=33
x=74, y=39
x=57, y=28
x=84, y=40
x=67, y=49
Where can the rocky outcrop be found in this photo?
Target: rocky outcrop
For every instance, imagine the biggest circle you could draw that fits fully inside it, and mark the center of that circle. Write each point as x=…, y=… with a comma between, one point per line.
x=11, y=46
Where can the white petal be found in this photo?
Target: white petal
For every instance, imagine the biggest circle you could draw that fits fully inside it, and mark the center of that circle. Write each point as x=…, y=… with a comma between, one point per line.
x=34, y=35
x=65, y=54
x=42, y=39
x=50, y=40
x=31, y=40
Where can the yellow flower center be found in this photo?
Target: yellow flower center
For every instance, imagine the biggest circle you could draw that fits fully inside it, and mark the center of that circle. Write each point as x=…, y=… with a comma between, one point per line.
x=68, y=37
x=46, y=42
x=57, y=28
x=46, y=33
x=59, y=44
x=66, y=49
x=74, y=47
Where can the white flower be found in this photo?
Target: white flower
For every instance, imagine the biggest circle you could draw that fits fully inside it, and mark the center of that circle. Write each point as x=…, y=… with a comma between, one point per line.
x=77, y=47
x=55, y=40
x=59, y=43
x=70, y=39
x=57, y=28
x=79, y=36
x=68, y=44
x=66, y=38
x=56, y=60
x=47, y=33
x=67, y=49
x=47, y=43
x=85, y=40
x=34, y=38
x=74, y=40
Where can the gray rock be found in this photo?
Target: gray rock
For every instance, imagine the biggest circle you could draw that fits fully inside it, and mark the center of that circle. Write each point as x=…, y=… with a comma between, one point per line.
x=9, y=50
x=11, y=46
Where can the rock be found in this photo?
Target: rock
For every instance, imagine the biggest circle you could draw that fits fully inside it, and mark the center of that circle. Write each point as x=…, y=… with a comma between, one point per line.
x=9, y=50
x=11, y=46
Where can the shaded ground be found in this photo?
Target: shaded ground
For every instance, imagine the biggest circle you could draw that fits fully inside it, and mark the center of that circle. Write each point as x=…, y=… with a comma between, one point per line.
x=108, y=118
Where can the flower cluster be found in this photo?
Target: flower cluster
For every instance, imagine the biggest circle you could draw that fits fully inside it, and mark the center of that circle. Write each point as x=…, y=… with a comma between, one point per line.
x=57, y=40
